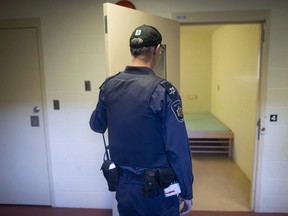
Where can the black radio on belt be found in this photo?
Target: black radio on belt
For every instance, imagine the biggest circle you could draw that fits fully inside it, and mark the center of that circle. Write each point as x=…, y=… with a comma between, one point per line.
x=155, y=179
x=150, y=187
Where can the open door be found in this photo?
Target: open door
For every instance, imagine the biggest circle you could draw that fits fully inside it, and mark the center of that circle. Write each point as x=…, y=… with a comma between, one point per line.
x=120, y=23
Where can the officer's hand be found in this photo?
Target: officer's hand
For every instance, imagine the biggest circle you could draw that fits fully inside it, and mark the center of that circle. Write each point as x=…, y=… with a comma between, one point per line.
x=187, y=206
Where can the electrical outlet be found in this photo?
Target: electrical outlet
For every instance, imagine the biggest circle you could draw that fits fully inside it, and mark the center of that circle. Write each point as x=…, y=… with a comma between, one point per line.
x=193, y=97
x=87, y=85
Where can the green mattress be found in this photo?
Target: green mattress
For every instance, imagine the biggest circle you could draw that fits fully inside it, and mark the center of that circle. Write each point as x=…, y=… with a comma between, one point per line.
x=203, y=122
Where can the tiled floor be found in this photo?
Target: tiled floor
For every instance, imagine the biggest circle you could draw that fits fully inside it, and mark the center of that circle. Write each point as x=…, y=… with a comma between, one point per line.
x=219, y=184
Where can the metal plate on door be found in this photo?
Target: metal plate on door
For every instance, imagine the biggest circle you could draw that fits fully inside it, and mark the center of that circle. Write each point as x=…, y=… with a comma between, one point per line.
x=35, y=121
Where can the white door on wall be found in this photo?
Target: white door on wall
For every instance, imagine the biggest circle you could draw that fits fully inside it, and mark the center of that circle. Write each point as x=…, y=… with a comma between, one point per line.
x=23, y=157
x=120, y=23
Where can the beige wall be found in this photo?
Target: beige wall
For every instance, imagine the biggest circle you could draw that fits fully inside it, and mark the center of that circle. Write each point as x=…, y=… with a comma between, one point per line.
x=195, y=67
x=235, y=87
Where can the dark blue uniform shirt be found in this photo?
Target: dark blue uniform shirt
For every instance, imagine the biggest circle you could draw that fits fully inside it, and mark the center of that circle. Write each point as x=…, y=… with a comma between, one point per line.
x=146, y=129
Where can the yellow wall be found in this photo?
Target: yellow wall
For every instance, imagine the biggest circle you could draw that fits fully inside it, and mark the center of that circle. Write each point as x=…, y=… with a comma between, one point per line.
x=235, y=86
x=195, y=64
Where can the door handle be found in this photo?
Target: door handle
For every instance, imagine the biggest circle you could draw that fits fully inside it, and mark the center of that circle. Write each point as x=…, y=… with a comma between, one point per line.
x=36, y=109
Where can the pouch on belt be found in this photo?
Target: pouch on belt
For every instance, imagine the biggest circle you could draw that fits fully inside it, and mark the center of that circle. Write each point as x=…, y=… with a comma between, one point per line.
x=111, y=174
x=166, y=176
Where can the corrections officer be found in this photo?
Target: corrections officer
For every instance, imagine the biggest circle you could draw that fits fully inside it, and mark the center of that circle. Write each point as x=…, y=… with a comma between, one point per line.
x=146, y=130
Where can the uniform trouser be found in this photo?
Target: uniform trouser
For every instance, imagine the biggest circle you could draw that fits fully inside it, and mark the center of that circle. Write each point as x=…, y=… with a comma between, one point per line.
x=132, y=201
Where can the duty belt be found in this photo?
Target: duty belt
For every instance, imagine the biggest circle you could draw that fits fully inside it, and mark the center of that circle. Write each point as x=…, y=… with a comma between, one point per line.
x=131, y=175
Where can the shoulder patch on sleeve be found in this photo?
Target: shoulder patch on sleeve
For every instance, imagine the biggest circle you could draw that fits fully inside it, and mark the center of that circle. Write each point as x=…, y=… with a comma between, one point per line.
x=170, y=89
x=176, y=107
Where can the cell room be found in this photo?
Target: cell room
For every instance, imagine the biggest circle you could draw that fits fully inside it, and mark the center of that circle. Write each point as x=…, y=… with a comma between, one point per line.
x=219, y=86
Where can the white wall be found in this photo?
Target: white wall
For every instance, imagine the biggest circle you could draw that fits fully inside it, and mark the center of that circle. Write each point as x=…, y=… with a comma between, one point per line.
x=72, y=34
x=73, y=44
x=73, y=49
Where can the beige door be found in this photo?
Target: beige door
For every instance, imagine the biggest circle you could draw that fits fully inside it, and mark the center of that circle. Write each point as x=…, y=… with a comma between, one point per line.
x=119, y=24
x=23, y=159
x=121, y=21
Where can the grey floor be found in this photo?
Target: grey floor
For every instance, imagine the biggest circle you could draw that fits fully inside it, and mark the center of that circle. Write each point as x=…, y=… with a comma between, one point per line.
x=219, y=184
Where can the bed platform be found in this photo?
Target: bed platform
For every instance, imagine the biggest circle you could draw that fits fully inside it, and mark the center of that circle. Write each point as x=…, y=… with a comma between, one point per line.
x=207, y=134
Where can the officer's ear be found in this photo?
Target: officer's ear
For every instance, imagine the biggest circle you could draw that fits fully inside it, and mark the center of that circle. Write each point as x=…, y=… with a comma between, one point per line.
x=157, y=49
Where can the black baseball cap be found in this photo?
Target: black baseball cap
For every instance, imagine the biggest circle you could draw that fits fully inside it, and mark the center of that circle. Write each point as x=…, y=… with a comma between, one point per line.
x=150, y=36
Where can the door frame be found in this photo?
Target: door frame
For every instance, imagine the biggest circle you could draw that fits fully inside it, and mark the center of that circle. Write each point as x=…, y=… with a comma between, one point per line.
x=36, y=24
x=244, y=17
